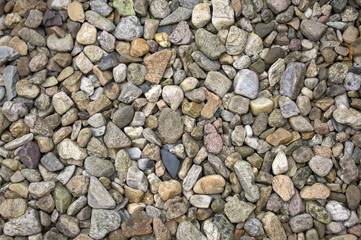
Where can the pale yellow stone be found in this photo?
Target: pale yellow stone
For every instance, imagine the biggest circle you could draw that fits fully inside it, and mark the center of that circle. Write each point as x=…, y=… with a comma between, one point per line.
x=261, y=105
x=20, y=188
x=211, y=184
x=162, y=39
x=133, y=207
x=76, y=12
x=169, y=189
x=87, y=34
x=19, y=45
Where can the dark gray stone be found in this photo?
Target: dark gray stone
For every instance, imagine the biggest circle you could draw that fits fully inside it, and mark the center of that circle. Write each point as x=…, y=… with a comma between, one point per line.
x=171, y=162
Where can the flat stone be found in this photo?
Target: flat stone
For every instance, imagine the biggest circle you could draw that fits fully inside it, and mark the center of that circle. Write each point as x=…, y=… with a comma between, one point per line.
x=128, y=29
x=201, y=15
x=98, y=21
x=254, y=45
x=137, y=225
x=25, y=225
x=101, y=7
x=32, y=36
x=13, y=208
x=280, y=163
x=124, y=7
x=237, y=210
x=64, y=44
x=169, y=189
x=204, y=62
x=211, y=184
x=30, y=154
x=99, y=167
x=301, y=223
x=170, y=126
x=10, y=77
x=278, y=6
x=292, y=79
x=156, y=65
x=103, y=222
x=317, y=191
x=62, y=198
x=273, y=227
x=338, y=211
x=246, y=83
x=320, y=165
x=223, y=14
x=68, y=226
x=8, y=54
x=76, y=12
x=115, y=137
x=69, y=149
x=173, y=95
x=217, y=83
x=98, y=196
x=170, y=162
x=254, y=227
x=300, y=124
x=136, y=179
x=283, y=186
x=200, y=201
x=186, y=230
x=318, y=212
x=51, y=162
x=353, y=197
x=246, y=178
x=122, y=164
x=180, y=14
x=159, y=9
x=313, y=30
x=209, y=44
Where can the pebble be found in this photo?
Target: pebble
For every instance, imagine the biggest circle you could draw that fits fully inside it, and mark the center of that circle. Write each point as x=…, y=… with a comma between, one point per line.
x=186, y=230
x=13, y=208
x=51, y=162
x=128, y=29
x=103, y=23
x=98, y=196
x=180, y=14
x=103, y=222
x=237, y=210
x=201, y=15
x=246, y=83
x=25, y=225
x=222, y=15
x=280, y=164
x=320, y=165
x=301, y=223
x=76, y=12
x=10, y=77
x=137, y=225
x=337, y=211
x=254, y=45
x=283, y=186
x=246, y=178
x=156, y=65
x=217, y=83
x=273, y=226
x=315, y=192
x=159, y=9
x=291, y=80
x=211, y=184
x=209, y=44
x=173, y=96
